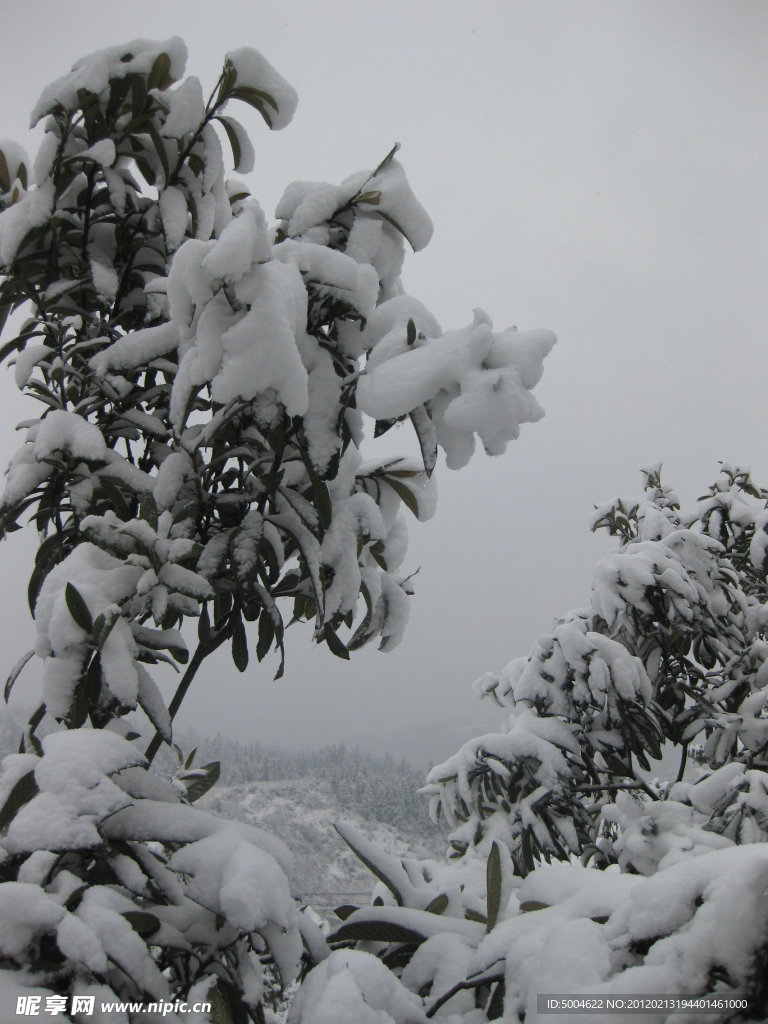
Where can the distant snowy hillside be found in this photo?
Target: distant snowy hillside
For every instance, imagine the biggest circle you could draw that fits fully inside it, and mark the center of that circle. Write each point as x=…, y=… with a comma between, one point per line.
x=298, y=796
x=301, y=812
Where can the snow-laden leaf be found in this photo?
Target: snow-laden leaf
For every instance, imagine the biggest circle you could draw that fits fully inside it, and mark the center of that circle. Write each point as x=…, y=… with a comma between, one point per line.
x=493, y=885
x=23, y=791
x=78, y=609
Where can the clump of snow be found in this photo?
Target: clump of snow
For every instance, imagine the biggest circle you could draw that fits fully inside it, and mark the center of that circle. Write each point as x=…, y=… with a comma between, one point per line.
x=32, y=210
x=137, y=349
x=62, y=431
x=105, y=280
x=353, y=987
x=94, y=72
x=255, y=72
x=27, y=360
x=175, y=216
x=306, y=204
x=333, y=273
x=243, y=243
x=452, y=372
x=398, y=202
x=25, y=912
x=186, y=108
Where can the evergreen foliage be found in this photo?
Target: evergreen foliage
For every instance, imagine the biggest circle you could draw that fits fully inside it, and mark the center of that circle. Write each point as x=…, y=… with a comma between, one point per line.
x=204, y=383
x=579, y=865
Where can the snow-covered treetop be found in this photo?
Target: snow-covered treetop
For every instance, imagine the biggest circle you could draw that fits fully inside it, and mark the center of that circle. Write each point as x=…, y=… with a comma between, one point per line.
x=207, y=379
x=672, y=649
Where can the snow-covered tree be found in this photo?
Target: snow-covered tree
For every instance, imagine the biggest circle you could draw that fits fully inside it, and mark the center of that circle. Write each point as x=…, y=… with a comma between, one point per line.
x=669, y=658
x=205, y=380
x=660, y=874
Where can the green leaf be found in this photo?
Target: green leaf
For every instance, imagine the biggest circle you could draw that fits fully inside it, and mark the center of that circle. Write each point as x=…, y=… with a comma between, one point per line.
x=138, y=95
x=239, y=646
x=101, y=632
x=142, y=922
x=228, y=79
x=200, y=784
x=266, y=636
x=372, y=866
x=204, y=625
x=159, y=77
x=257, y=99
x=148, y=510
x=196, y=165
x=410, y=333
x=78, y=708
x=287, y=584
x=406, y=495
x=391, y=220
x=190, y=759
x=15, y=673
x=21, y=794
x=227, y=1006
x=437, y=905
x=159, y=145
x=78, y=609
x=493, y=884
x=234, y=141
x=382, y=426
x=344, y=911
x=335, y=646
x=526, y=848
x=376, y=931
x=145, y=169
x=473, y=915
x=92, y=688
x=75, y=898
x=427, y=435
x=495, y=1007
x=320, y=494
x=530, y=905
x=5, y=174
x=15, y=344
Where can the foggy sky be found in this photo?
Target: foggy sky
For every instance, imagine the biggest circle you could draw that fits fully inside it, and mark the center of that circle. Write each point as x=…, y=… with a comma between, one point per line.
x=597, y=168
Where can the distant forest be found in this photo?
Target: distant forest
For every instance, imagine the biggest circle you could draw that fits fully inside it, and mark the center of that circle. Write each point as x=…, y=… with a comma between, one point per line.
x=377, y=788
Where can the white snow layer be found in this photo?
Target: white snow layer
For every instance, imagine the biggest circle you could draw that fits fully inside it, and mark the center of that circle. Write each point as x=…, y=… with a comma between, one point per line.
x=255, y=72
x=352, y=987
x=473, y=378
x=93, y=72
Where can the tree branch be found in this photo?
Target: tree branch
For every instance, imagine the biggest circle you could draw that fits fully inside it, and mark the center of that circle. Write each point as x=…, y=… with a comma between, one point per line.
x=486, y=978
x=201, y=653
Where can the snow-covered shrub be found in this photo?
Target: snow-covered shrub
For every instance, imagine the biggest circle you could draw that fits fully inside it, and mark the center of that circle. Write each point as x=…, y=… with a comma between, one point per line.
x=671, y=895
x=472, y=941
x=114, y=884
x=206, y=381
x=670, y=657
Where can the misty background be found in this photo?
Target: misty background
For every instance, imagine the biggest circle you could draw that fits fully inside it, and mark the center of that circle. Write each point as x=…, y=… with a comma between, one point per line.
x=597, y=168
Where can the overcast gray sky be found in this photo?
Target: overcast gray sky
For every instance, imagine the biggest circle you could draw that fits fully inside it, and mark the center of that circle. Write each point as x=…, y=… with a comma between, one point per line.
x=597, y=167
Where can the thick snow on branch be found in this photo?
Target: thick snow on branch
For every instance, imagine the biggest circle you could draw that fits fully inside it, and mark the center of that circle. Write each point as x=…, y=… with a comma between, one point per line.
x=477, y=381
x=94, y=72
x=255, y=72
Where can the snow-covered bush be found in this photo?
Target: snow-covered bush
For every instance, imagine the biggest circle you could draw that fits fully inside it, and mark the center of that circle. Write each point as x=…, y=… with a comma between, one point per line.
x=471, y=941
x=669, y=661
x=206, y=381
x=671, y=657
